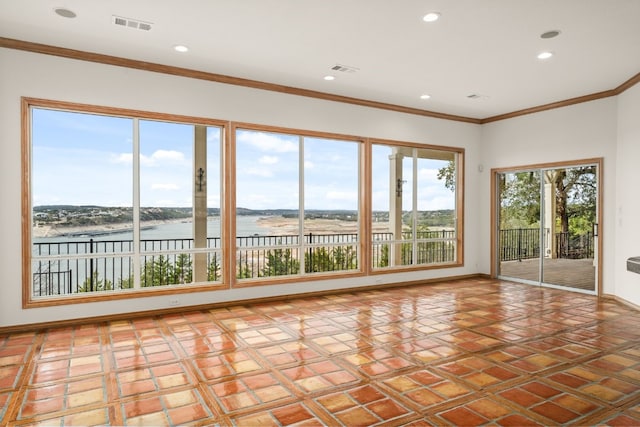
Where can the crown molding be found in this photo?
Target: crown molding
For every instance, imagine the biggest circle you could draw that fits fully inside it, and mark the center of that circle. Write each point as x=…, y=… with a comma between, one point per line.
x=572, y=101
x=550, y=106
x=219, y=78
x=256, y=84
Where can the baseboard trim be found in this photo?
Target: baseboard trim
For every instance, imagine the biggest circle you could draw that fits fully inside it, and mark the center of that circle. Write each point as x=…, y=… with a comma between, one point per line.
x=31, y=327
x=621, y=301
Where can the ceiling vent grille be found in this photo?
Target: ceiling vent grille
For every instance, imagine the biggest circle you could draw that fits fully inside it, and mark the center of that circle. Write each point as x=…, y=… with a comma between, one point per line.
x=477, y=96
x=344, y=68
x=131, y=23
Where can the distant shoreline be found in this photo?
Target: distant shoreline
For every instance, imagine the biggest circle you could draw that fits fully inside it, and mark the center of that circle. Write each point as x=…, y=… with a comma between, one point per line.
x=281, y=225
x=275, y=224
x=96, y=230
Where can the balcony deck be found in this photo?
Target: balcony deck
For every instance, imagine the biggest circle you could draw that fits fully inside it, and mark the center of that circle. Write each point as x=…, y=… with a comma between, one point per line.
x=572, y=273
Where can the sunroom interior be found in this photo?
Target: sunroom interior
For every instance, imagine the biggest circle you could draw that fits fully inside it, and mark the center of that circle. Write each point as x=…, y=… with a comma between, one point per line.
x=584, y=125
x=478, y=163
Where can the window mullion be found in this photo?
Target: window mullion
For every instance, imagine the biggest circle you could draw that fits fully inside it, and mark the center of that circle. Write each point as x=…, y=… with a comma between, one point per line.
x=136, y=204
x=301, y=237
x=414, y=202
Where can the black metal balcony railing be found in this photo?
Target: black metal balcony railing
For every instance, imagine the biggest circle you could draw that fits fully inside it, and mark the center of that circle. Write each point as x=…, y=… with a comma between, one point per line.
x=575, y=247
x=102, y=265
x=524, y=243
x=432, y=247
x=65, y=267
x=519, y=244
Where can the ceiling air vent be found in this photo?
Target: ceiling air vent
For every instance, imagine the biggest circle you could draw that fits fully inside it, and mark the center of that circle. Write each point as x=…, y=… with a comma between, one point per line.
x=477, y=96
x=344, y=68
x=131, y=23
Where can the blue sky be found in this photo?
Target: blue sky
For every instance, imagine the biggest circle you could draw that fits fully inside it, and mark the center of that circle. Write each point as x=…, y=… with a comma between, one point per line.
x=88, y=159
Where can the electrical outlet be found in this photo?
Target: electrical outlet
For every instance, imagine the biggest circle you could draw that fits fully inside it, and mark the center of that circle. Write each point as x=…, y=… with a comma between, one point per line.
x=174, y=302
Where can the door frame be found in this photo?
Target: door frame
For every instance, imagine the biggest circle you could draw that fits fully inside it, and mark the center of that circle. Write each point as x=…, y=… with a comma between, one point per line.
x=598, y=161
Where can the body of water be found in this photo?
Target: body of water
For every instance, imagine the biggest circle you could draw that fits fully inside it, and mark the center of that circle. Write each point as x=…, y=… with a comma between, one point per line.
x=245, y=226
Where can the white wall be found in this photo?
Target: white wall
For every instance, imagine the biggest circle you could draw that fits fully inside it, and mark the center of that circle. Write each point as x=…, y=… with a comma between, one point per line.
x=628, y=194
x=581, y=131
x=40, y=76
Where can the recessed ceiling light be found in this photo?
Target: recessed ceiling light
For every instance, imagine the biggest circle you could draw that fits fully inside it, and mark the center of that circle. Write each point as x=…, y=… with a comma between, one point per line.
x=431, y=17
x=329, y=78
x=425, y=96
x=550, y=34
x=64, y=12
x=180, y=48
x=545, y=55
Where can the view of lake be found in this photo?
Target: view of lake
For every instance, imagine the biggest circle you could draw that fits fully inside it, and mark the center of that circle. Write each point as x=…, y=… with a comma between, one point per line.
x=246, y=226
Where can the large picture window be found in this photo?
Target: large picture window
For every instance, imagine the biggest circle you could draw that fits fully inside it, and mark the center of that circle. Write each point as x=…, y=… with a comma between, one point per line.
x=122, y=203
x=415, y=220
x=297, y=204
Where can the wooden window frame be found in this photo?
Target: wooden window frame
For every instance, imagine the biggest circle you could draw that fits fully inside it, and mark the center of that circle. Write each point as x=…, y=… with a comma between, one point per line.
x=28, y=300
x=228, y=208
x=458, y=211
x=362, y=223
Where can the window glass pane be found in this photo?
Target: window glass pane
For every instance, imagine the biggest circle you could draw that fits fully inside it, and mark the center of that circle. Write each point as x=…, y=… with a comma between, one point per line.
x=179, y=202
x=166, y=202
x=413, y=214
x=382, y=190
x=81, y=193
x=267, y=204
x=331, y=205
x=435, y=225
x=77, y=162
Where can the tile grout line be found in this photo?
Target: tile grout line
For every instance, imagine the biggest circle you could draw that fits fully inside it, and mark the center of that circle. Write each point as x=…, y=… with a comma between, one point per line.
x=21, y=386
x=115, y=415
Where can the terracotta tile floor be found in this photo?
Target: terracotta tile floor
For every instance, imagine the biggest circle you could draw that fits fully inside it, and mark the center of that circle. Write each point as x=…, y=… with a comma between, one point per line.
x=473, y=352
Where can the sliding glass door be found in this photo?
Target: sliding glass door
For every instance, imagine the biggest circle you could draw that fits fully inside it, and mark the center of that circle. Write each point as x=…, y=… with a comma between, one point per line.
x=519, y=225
x=547, y=226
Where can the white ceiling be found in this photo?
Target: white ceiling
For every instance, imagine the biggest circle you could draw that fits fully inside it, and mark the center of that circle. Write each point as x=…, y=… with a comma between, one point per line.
x=483, y=47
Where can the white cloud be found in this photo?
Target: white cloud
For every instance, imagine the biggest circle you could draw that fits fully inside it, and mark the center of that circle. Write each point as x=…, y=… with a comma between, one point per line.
x=170, y=155
x=342, y=195
x=268, y=142
x=429, y=174
x=126, y=158
x=308, y=164
x=158, y=158
x=437, y=203
x=168, y=186
x=163, y=158
x=268, y=160
x=265, y=173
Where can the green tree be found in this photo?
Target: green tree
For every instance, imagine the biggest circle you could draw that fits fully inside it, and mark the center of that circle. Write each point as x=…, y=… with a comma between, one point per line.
x=245, y=271
x=448, y=173
x=157, y=272
x=575, y=192
x=95, y=284
x=280, y=262
x=125, y=283
x=213, y=273
x=317, y=260
x=519, y=200
x=383, y=260
x=344, y=258
x=182, y=270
